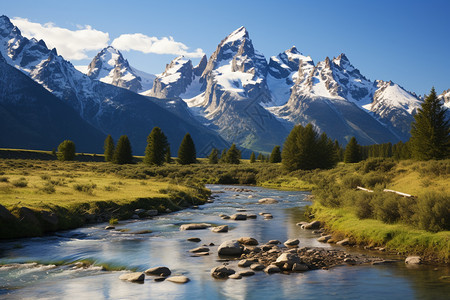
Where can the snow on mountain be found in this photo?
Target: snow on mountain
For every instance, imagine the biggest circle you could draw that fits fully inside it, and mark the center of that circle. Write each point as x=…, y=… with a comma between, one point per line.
x=446, y=97
x=284, y=71
x=110, y=67
x=110, y=109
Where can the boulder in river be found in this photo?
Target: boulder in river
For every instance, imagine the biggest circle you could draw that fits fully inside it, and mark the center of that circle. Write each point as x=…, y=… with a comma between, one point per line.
x=252, y=216
x=413, y=260
x=199, y=249
x=273, y=242
x=222, y=272
x=230, y=248
x=268, y=216
x=324, y=239
x=194, y=239
x=292, y=242
x=267, y=201
x=194, y=226
x=343, y=242
x=222, y=228
x=235, y=276
x=158, y=271
x=288, y=258
x=239, y=217
x=312, y=225
x=151, y=212
x=248, y=241
x=257, y=267
x=272, y=269
x=109, y=227
x=133, y=277
x=299, y=267
x=246, y=273
x=178, y=279
x=244, y=263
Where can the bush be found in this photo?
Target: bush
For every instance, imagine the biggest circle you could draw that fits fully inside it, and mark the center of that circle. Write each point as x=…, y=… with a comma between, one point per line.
x=45, y=177
x=352, y=181
x=373, y=179
x=377, y=164
x=87, y=188
x=385, y=207
x=363, y=207
x=66, y=150
x=4, y=179
x=113, y=221
x=433, y=212
x=21, y=182
x=48, y=188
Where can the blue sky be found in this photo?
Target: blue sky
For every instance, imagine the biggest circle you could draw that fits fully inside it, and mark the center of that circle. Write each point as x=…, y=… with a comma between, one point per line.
x=407, y=42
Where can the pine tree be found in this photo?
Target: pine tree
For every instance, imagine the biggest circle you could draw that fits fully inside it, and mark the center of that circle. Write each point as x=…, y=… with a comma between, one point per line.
x=233, y=155
x=155, y=152
x=252, y=158
x=123, y=153
x=275, y=156
x=430, y=131
x=168, y=158
x=66, y=151
x=260, y=157
x=338, y=151
x=186, y=153
x=352, y=151
x=109, y=148
x=223, y=156
x=213, y=157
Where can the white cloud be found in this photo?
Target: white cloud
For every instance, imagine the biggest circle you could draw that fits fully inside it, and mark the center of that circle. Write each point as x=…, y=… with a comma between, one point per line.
x=71, y=44
x=148, y=44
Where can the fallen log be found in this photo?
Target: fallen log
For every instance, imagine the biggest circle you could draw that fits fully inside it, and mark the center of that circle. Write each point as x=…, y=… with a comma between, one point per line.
x=398, y=193
x=364, y=189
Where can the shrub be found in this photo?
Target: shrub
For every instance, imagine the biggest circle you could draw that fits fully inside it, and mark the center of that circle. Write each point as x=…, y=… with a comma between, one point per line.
x=433, y=211
x=4, y=179
x=87, y=188
x=66, y=150
x=373, y=179
x=48, y=188
x=385, y=207
x=377, y=164
x=21, y=182
x=45, y=177
x=352, y=181
x=113, y=221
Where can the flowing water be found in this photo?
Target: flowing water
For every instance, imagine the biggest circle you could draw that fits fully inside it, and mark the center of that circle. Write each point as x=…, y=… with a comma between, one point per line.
x=37, y=268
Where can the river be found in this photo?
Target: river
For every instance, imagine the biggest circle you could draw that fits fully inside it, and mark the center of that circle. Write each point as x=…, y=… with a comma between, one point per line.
x=39, y=268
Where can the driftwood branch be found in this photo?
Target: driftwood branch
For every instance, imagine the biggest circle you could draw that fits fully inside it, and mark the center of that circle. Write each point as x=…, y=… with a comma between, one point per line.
x=364, y=189
x=386, y=191
x=398, y=193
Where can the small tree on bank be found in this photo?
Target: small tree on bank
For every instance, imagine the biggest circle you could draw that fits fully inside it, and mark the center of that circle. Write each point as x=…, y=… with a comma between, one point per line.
x=233, y=155
x=109, y=148
x=123, y=153
x=252, y=157
x=155, y=152
x=352, y=152
x=66, y=151
x=186, y=153
x=168, y=155
x=275, y=156
x=213, y=157
x=430, y=131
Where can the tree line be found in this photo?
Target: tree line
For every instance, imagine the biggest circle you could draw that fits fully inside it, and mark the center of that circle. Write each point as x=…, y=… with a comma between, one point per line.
x=303, y=148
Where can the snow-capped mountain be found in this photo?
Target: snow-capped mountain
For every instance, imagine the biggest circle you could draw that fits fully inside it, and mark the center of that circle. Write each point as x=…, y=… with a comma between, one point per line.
x=110, y=67
x=446, y=97
x=111, y=109
x=33, y=118
x=239, y=92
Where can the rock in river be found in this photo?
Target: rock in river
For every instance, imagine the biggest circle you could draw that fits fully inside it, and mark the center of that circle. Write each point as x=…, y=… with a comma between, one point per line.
x=272, y=269
x=267, y=201
x=222, y=228
x=199, y=249
x=248, y=241
x=178, y=279
x=195, y=226
x=239, y=217
x=413, y=260
x=230, y=248
x=158, y=271
x=292, y=242
x=221, y=272
x=133, y=277
x=194, y=239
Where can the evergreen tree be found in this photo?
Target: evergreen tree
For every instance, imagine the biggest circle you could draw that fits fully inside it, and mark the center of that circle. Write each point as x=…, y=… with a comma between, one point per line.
x=352, y=151
x=260, y=157
x=123, y=153
x=326, y=154
x=109, y=148
x=275, y=156
x=252, y=157
x=223, y=156
x=155, y=152
x=233, y=155
x=186, y=153
x=66, y=150
x=213, y=157
x=168, y=155
x=430, y=131
x=290, y=155
x=338, y=151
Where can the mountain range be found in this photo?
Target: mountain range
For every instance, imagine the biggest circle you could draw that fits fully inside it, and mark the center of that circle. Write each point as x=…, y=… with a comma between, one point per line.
x=236, y=95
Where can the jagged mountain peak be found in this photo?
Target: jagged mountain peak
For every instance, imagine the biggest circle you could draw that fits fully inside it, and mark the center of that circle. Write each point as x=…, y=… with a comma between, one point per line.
x=239, y=34
x=111, y=67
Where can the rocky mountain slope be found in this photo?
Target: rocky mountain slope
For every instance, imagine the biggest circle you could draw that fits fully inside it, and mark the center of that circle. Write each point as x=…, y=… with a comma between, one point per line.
x=110, y=109
x=33, y=118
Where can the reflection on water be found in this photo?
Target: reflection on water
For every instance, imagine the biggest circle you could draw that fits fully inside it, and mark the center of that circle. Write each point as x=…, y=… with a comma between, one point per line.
x=167, y=246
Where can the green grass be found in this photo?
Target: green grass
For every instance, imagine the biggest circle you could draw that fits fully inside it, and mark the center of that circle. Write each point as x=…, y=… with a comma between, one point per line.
x=396, y=237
